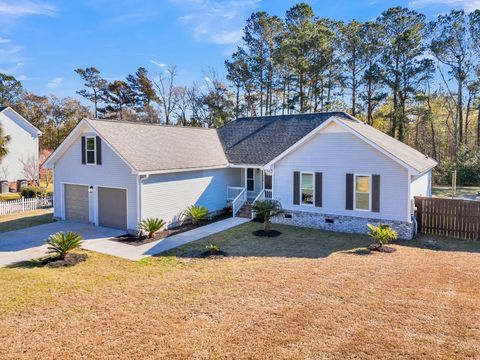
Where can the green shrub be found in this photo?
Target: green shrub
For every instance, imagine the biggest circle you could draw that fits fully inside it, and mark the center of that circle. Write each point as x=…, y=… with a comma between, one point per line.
x=196, y=213
x=62, y=243
x=151, y=226
x=382, y=234
x=212, y=248
x=266, y=210
x=33, y=191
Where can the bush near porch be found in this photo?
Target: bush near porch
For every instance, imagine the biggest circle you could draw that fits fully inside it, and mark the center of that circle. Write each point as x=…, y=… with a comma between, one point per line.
x=304, y=294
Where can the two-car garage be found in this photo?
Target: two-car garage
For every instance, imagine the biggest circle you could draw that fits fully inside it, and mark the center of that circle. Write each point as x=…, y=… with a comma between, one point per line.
x=109, y=210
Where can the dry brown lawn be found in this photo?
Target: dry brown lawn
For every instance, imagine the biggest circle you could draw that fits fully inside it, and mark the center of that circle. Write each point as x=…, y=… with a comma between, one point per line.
x=304, y=295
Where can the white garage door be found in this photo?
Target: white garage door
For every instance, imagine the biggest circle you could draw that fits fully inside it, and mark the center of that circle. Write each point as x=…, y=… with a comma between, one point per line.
x=76, y=203
x=112, y=207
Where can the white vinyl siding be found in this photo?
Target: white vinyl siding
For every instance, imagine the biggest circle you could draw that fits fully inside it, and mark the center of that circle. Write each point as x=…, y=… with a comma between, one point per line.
x=421, y=185
x=113, y=172
x=166, y=196
x=23, y=146
x=336, y=152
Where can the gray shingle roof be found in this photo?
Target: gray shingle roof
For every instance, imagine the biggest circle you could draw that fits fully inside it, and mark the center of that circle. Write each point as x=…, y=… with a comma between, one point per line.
x=259, y=140
x=150, y=147
x=246, y=141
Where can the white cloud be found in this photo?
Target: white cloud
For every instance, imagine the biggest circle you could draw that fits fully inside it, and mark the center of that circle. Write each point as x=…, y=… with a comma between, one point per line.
x=467, y=5
x=218, y=22
x=4, y=40
x=55, y=83
x=161, y=65
x=26, y=7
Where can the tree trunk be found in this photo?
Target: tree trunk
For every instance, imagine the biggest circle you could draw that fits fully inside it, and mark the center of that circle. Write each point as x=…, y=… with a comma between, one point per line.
x=267, y=225
x=460, y=111
x=478, y=128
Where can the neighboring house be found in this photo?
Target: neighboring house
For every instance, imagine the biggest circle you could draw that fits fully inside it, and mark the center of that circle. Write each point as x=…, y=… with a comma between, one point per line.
x=21, y=161
x=328, y=170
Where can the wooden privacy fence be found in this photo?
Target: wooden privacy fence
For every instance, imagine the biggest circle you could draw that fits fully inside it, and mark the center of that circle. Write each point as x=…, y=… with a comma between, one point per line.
x=22, y=205
x=451, y=217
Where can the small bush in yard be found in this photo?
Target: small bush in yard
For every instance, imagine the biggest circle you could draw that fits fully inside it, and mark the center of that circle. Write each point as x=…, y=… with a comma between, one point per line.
x=212, y=248
x=381, y=234
x=151, y=226
x=266, y=210
x=196, y=213
x=33, y=191
x=62, y=243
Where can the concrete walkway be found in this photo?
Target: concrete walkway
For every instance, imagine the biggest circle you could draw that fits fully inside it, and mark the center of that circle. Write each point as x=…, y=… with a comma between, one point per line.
x=131, y=252
x=27, y=244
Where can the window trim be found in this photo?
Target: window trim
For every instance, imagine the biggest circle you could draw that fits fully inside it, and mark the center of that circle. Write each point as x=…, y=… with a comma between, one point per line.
x=94, y=150
x=252, y=178
x=313, y=188
x=369, y=192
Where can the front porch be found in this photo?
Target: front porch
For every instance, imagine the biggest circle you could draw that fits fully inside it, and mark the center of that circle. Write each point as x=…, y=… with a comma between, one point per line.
x=255, y=184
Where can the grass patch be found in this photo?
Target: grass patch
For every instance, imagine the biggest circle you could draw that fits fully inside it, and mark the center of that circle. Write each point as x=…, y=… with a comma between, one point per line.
x=304, y=294
x=467, y=192
x=25, y=220
x=10, y=196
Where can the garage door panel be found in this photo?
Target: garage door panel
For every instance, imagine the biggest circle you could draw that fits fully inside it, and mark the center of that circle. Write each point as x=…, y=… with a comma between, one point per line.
x=112, y=207
x=76, y=203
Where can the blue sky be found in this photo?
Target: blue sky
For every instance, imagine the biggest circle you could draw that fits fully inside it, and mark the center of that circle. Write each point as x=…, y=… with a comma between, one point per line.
x=43, y=41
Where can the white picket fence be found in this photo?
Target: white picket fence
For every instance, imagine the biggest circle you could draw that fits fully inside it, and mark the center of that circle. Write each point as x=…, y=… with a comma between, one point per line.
x=22, y=205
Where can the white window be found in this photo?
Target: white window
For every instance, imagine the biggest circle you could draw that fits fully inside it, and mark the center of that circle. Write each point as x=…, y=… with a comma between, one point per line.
x=307, y=188
x=90, y=150
x=362, y=192
x=250, y=180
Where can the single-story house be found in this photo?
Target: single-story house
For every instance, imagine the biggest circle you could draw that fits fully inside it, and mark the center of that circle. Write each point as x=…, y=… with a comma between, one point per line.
x=21, y=162
x=328, y=170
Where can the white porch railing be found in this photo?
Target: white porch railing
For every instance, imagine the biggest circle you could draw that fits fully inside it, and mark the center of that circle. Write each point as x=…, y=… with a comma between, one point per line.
x=233, y=192
x=260, y=197
x=268, y=194
x=239, y=201
x=22, y=205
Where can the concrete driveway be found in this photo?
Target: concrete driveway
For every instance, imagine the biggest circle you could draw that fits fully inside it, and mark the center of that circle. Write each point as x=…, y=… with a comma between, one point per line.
x=29, y=243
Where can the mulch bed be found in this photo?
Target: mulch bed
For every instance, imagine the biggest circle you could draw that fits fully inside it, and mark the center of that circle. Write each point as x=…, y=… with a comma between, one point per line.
x=379, y=248
x=70, y=260
x=137, y=241
x=213, y=254
x=263, y=233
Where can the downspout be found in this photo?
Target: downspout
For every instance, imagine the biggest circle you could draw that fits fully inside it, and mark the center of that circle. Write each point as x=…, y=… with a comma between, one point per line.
x=141, y=178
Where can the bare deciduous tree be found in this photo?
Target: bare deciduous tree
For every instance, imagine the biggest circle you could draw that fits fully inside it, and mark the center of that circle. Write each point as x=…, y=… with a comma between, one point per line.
x=165, y=85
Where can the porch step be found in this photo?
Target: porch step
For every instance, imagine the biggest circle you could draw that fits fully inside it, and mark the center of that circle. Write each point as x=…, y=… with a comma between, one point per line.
x=245, y=211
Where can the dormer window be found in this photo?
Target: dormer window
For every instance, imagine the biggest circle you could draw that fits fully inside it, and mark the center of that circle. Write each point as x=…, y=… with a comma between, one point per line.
x=90, y=150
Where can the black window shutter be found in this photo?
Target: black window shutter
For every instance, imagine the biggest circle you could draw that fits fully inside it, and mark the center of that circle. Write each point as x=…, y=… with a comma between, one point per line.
x=83, y=150
x=349, y=192
x=318, y=189
x=98, y=148
x=296, y=188
x=376, y=193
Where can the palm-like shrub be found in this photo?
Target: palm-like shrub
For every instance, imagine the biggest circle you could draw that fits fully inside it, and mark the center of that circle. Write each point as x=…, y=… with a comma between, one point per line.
x=196, y=213
x=62, y=243
x=151, y=226
x=212, y=248
x=266, y=210
x=382, y=234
